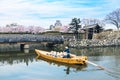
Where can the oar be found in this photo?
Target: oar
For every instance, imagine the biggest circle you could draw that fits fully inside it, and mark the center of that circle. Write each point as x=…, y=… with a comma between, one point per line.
x=101, y=67
x=37, y=57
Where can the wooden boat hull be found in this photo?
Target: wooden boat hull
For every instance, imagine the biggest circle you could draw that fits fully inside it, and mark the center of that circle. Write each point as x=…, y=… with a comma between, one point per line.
x=67, y=68
x=74, y=60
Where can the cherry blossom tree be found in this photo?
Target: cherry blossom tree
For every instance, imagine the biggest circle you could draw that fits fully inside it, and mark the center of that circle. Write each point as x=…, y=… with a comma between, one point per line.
x=64, y=29
x=12, y=28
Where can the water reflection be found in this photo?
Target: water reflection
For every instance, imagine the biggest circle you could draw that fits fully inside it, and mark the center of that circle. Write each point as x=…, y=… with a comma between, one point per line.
x=68, y=67
x=109, y=57
x=16, y=57
x=101, y=51
x=26, y=50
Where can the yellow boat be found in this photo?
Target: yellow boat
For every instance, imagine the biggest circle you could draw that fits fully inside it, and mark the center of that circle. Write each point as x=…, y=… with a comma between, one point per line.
x=73, y=60
x=67, y=68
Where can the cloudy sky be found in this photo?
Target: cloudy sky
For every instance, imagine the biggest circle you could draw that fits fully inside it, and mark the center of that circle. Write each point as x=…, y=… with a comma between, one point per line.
x=45, y=12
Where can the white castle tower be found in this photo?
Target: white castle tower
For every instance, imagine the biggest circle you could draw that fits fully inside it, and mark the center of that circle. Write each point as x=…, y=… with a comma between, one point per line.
x=57, y=25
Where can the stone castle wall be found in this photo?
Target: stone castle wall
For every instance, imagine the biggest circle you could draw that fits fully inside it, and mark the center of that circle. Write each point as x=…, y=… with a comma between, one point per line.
x=109, y=38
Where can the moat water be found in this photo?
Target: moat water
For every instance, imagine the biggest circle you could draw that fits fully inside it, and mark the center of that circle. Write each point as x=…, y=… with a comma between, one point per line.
x=23, y=65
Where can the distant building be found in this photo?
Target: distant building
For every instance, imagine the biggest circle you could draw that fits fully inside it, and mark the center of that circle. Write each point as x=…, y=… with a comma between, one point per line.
x=58, y=23
x=57, y=26
x=91, y=29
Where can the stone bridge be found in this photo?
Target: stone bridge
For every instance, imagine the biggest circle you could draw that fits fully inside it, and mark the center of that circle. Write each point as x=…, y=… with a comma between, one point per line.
x=25, y=39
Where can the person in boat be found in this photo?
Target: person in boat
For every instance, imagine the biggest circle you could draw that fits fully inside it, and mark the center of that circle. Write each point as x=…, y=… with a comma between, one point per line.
x=67, y=50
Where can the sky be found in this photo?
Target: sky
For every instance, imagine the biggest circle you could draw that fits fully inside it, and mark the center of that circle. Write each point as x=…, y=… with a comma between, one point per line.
x=45, y=12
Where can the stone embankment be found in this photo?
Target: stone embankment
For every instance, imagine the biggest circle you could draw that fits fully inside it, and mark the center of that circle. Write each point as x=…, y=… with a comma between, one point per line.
x=109, y=38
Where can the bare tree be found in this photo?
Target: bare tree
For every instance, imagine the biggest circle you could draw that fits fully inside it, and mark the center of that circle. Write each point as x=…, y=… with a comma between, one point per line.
x=114, y=18
x=87, y=22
